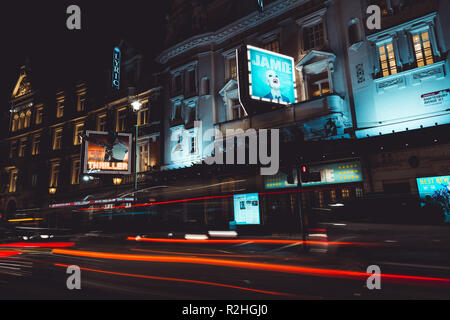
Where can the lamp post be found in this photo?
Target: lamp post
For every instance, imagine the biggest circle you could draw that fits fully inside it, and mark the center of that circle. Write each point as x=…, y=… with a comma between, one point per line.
x=136, y=105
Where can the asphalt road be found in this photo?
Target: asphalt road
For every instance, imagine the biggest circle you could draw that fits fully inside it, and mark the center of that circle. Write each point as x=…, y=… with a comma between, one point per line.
x=245, y=270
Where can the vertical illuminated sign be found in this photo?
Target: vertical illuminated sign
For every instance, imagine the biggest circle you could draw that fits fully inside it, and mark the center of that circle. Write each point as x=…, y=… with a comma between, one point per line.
x=116, y=68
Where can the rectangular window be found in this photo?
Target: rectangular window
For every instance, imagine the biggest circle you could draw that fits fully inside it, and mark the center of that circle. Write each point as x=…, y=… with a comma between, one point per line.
x=39, y=115
x=60, y=108
x=237, y=111
x=78, y=130
x=34, y=180
x=121, y=120
x=232, y=69
x=319, y=85
x=143, y=115
x=313, y=36
x=101, y=122
x=144, y=157
x=422, y=49
x=54, y=175
x=75, y=172
x=22, y=147
x=177, y=84
x=35, y=149
x=387, y=59
x=57, y=138
x=13, y=180
x=81, y=102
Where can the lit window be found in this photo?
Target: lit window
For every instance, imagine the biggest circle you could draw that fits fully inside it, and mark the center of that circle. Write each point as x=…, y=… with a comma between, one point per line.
x=387, y=59
x=143, y=115
x=21, y=120
x=121, y=120
x=81, y=102
x=57, y=138
x=54, y=175
x=422, y=49
x=15, y=123
x=101, y=122
x=36, y=144
x=27, y=121
x=13, y=175
x=232, y=69
x=22, y=147
x=60, y=108
x=75, y=172
x=345, y=193
x=319, y=85
x=144, y=157
x=39, y=115
x=76, y=133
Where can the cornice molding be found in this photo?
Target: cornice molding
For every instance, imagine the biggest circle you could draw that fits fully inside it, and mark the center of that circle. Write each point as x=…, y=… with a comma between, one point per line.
x=271, y=11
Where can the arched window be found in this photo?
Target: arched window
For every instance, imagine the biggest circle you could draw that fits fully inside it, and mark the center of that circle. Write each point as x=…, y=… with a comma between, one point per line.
x=15, y=123
x=21, y=120
x=27, y=119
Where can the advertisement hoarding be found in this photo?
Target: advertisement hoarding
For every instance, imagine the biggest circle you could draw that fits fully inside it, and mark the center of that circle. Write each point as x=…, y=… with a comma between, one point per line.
x=246, y=209
x=271, y=76
x=435, y=191
x=107, y=153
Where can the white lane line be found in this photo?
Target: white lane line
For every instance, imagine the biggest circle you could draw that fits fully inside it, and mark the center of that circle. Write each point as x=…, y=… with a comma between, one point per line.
x=243, y=244
x=285, y=247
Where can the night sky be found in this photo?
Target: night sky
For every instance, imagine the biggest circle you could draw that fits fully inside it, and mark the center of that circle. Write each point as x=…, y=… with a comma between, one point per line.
x=36, y=30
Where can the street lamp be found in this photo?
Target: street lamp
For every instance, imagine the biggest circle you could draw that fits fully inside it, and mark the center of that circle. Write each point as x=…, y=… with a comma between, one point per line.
x=136, y=105
x=52, y=190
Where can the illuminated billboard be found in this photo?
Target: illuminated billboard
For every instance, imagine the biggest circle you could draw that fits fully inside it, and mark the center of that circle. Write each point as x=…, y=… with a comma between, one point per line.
x=107, y=153
x=116, y=68
x=435, y=191
x=271, y=76
x=246, y=209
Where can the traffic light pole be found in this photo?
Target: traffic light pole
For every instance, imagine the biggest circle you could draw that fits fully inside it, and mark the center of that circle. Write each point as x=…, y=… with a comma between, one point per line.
x=300, y=211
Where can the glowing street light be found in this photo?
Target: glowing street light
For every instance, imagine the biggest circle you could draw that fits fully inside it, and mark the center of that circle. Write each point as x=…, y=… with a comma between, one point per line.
x=136, y=105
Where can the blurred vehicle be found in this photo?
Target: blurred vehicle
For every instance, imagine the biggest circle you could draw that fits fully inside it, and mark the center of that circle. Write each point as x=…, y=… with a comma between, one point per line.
x=386, y=227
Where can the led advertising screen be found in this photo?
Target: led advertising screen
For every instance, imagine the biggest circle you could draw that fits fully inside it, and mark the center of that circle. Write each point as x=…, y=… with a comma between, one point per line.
x=271, y=76
x=107, y=153
x=246, y=209
x=435, y=191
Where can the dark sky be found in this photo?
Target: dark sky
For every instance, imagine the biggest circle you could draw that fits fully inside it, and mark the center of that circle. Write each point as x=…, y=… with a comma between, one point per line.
x=37, y=30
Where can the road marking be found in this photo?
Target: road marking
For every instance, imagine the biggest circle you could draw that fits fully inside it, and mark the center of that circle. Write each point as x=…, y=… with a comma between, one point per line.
x=284, y=247
x=243, y=244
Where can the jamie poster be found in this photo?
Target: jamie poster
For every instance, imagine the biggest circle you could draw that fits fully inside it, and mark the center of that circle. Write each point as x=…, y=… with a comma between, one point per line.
x=107, y=153
x=272, y=76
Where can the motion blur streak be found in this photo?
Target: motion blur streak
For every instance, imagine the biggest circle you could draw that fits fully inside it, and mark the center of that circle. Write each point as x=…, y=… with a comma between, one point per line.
x=233, y=241
x=244, y=265
x=157, y=203
x=38, y=245
x=4, y=254
x=182, y=280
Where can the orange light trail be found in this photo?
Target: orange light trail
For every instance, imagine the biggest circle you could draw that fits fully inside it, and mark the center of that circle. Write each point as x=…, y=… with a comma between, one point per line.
x=4, y=254
x=244, y=265
x=183, y=280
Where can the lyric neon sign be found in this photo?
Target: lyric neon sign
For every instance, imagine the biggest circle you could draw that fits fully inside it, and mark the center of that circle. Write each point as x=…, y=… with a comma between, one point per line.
x=116, y=68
